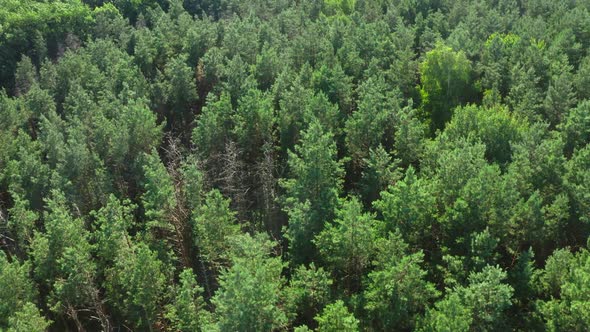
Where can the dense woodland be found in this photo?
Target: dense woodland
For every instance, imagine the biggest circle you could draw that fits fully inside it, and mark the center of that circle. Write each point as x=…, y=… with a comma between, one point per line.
x=294, y=165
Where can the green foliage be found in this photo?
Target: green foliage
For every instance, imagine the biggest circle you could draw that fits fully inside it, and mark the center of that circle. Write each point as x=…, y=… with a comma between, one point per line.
x=16, y=288
x=179, y=89
x=62, y=231
x=372, y=123
x=445, y=78
x=494, y=127
x=187, y=311
x=313, y=189
x=525, y=96
x=474, y=195
x=159, y=196
x=347, y=246
x=63, y=260
x=296, y=116
x=556, y=270
x=249, y=293
x=381, y=171
x=449, y=314
x=211, y=133
x=488, y=297
x=582, y=79
x=25, y=171
x=478, y=306
x=214, y=223
x=338, y=7
x=25, y=75
x=136, y=282
x=308, y=292
x=568, y=311
x=193, y=182
x=336, y=317
x=418, y=165
x=112, y=222
x=495, y=61
x=21, y=222
x=22, y=19
x=522, y=278
x=410, y=136
x=560, y=95
x=28, y=319
x=333, y=82
x=482, y=252
x=575, y=128
x=397, y=288
x=408, y=206
x=254, y=122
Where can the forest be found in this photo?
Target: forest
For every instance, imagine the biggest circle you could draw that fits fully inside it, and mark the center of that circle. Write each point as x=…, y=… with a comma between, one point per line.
x=294, y=165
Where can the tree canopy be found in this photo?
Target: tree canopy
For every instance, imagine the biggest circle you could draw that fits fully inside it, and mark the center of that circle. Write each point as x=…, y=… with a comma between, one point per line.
x=310, y=165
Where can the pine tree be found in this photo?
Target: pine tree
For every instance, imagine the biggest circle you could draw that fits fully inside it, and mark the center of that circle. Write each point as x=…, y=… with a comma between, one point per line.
x=311, y=192
x=397, y=288
x=187, y=310
x=136, y=283
x=348, y=245
x=336, y=317
x=249, y=291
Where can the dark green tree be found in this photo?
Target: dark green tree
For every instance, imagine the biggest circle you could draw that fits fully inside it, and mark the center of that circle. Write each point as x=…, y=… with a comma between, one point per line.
x=397, y=290
x=308, y=292
x=374, y=121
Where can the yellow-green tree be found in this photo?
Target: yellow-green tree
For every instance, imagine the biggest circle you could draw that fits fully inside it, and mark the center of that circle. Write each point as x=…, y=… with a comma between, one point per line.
x=445, y=77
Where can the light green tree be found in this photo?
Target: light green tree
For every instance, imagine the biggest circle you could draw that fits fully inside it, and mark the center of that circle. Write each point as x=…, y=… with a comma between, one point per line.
x=28, y=319
x=445, y=77
x=567, y=278
x=336, y=318
x=111, y=226
x=479, y=306
x=16, y=288
x=62, y=256
x=249, y=294
x=187, y=311
x=409, y=206
x=136, y=284
x=213, y=224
